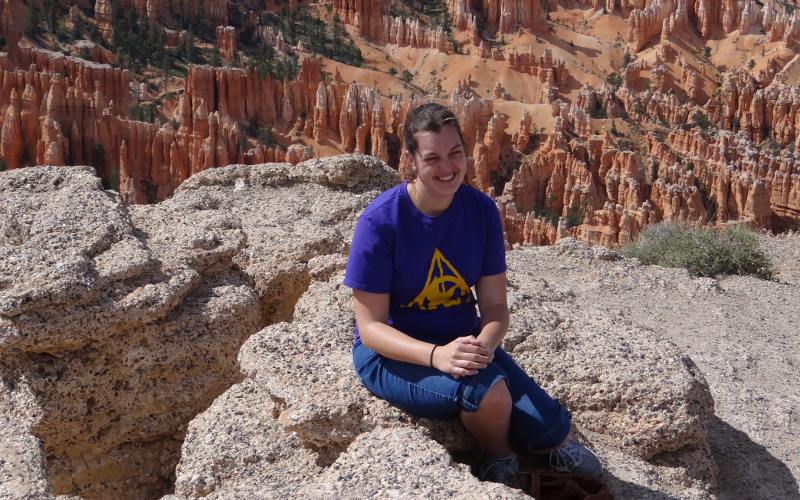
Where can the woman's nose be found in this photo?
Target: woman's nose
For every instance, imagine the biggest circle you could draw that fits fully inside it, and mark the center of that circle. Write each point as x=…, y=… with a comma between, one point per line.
x=451, y=164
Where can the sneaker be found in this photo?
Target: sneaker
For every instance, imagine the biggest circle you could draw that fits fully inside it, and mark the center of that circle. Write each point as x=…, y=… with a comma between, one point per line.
x=575, y=458
x=500, y=470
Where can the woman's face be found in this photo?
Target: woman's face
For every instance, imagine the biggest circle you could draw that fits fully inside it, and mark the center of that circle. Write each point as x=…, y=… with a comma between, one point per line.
x=440, y=161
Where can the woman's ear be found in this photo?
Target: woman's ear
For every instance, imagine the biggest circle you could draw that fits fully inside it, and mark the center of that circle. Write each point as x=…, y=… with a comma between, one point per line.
x=409, y=158
x=407, y=167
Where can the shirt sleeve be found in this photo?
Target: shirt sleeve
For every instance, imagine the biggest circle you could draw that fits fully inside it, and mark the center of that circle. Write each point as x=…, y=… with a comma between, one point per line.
x=494, y=255
x=369, y=267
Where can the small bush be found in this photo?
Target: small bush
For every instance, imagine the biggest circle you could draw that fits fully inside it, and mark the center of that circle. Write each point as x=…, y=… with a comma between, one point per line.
x=701, y=120
x=265, y=136
x=113, y=180
x=98, y=156
x=703, y=252
x=614, y=81
x=407, y=76
x=575, y=216
x=627, y=59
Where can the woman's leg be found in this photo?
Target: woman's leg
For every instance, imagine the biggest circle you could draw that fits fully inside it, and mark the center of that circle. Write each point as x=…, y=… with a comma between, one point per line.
x=489, y=423
x=537, y=421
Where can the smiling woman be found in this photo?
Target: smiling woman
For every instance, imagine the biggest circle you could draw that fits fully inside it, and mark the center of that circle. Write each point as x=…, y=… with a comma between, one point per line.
x=417, y=252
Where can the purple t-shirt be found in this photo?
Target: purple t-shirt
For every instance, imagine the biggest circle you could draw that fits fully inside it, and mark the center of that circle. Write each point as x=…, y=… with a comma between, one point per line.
x=426, y=264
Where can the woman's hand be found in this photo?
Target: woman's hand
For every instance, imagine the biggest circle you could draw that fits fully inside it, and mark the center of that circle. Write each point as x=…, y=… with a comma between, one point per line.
x=462, y=357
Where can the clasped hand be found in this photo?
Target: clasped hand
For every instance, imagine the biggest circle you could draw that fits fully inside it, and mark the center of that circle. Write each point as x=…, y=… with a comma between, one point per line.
x=462, y=357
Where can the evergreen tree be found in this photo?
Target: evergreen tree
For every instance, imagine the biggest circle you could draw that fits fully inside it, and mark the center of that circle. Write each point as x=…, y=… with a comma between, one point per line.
x=216, y=58
x=50, y=14
x=338, y=33
x=98, y=156
x=189, y=49
x=34, y=18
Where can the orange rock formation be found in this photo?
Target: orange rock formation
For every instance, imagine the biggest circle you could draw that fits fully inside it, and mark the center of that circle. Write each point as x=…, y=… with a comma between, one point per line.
x=502, y=16
x=371, y=18
x=575, y=180
x=226, y=41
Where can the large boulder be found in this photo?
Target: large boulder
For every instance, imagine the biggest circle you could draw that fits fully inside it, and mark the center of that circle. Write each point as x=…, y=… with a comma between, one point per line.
x=629, y=387
x=628, y=390
x=123, y=323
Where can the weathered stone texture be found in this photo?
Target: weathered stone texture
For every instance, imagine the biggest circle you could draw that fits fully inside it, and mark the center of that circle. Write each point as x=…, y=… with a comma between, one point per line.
x=625, y=387
x=124, y=322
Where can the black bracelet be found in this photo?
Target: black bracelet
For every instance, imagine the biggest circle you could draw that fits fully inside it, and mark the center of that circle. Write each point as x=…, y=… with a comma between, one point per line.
x=430, y=361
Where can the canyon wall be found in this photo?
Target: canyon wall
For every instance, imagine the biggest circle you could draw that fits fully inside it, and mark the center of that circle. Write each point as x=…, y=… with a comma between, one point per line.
x=581, y=178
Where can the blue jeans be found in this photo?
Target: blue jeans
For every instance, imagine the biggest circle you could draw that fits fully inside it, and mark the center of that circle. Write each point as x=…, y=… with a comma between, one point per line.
x=537, y=420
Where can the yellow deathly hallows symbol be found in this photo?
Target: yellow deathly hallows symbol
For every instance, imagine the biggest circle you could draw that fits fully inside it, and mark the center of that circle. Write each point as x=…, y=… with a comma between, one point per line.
x=441, y=286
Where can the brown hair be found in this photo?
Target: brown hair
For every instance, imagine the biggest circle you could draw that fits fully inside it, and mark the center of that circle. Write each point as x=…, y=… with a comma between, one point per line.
x=430, y=117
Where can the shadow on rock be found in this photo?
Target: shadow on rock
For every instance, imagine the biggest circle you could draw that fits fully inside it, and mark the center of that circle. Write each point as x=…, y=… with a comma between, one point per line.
x=746, y=469
x=624, y=490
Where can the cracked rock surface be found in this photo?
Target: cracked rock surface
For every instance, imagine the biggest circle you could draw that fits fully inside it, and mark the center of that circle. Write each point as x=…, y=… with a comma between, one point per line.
x=120, y=324
x=631, y=392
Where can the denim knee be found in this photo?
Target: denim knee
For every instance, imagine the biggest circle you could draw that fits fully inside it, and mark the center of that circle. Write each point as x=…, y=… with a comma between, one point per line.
x=538, y=421
x=475, y=387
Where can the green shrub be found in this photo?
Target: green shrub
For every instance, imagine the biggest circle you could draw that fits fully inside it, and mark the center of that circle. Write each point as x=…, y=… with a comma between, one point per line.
x=143, y=112
x=614, y=81
x=627, y=59
x=702, y=251
x=98, y=156
x=34, y=18
x=575, y=216
x=216, y=57
x=701, y=120
x=113, y=180
x=265, y=136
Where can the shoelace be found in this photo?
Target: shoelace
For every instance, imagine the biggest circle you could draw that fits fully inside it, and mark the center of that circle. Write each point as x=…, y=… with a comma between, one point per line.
x=566, y=458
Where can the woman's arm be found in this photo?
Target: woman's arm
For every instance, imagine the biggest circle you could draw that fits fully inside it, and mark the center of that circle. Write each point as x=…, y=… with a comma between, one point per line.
x=461, y=357
x=491, y=292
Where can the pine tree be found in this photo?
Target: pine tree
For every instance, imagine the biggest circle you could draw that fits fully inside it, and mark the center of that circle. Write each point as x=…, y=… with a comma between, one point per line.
x=34, y=18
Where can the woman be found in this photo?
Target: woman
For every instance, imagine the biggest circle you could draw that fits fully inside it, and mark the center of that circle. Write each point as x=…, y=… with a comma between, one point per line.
x=417, y=250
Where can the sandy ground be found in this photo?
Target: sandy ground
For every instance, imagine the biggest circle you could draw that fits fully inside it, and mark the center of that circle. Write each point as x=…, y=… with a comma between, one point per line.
x=742, y=332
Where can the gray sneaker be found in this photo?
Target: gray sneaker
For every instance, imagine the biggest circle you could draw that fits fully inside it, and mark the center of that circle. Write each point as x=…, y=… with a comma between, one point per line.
x=500, y=470
x=575, y=458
